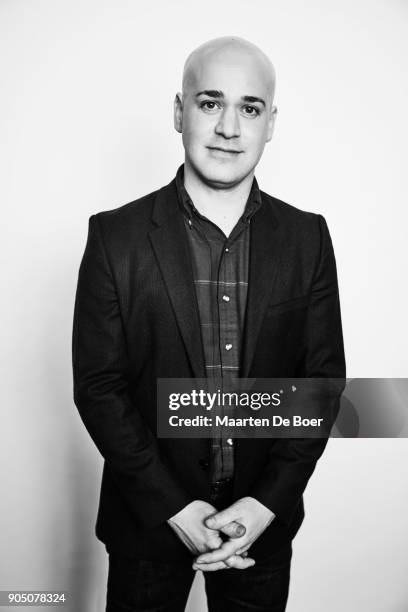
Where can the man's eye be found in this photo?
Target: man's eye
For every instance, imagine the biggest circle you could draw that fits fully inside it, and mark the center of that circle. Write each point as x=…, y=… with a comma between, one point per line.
x=209, y=105
x=251, y=110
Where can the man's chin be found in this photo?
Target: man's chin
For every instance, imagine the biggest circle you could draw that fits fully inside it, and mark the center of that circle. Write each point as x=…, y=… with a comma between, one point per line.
x=222, y=176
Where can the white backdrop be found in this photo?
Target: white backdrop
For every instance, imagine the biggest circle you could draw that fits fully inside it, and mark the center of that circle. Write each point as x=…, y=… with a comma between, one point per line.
x=86, y=125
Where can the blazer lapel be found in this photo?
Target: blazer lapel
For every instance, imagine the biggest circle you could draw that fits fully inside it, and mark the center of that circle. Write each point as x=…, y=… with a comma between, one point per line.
x=171, y=247
x=265, y=249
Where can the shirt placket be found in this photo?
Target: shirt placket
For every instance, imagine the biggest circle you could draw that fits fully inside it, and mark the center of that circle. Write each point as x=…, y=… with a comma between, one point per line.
x=228, y=348
x=210, y=237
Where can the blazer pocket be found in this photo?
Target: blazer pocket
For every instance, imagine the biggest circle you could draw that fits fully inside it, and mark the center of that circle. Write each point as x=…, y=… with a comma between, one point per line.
x=292, y=304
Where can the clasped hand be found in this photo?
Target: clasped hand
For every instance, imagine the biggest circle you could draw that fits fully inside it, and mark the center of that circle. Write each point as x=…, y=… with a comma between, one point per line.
x=199, y=525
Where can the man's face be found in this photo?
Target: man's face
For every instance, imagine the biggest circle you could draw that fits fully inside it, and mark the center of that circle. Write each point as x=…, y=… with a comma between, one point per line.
x=226, y=117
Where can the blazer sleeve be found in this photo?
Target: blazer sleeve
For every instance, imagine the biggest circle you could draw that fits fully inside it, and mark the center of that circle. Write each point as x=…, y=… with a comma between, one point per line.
x=292, y=461
x=100, y=373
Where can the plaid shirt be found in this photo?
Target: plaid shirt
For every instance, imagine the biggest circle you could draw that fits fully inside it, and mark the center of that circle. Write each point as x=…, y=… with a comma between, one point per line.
x=220, y=270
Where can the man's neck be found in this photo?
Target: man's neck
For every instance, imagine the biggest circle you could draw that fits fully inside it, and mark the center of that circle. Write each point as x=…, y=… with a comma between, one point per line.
x=222, y=206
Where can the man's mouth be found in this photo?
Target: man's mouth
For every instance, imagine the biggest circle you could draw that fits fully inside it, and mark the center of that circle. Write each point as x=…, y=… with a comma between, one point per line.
x=224, y=150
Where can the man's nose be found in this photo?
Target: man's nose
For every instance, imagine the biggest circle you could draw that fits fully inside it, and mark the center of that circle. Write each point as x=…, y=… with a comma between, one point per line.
x=228, y=124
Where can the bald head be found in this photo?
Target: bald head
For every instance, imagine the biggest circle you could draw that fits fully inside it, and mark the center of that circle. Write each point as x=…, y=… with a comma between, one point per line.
x=225, y=111
x=237, y=54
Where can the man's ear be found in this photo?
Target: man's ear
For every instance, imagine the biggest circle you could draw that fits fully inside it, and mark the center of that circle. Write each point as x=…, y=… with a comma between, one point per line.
x=178, y=112
x=271, y=122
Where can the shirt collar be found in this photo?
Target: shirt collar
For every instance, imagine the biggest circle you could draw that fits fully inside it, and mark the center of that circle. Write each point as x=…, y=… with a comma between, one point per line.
x=187, y=206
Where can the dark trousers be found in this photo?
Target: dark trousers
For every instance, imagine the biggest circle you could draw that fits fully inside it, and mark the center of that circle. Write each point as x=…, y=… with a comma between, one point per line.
x=136, y=585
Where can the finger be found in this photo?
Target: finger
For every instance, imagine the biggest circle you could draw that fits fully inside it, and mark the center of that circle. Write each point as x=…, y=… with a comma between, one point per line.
x=223, y=552
x=234, y=530
x=210, y=567
x=214, y=542
x=243, y=551
x=239, y=562
x=220, y=519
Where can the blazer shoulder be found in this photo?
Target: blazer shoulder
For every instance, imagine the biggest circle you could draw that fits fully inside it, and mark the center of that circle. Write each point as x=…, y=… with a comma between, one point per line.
x=124, y=223
x=303, y=224
x=137, y=209
x=288, y=212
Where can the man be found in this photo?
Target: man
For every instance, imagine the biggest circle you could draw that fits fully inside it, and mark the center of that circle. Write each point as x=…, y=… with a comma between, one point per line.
x=206, y=276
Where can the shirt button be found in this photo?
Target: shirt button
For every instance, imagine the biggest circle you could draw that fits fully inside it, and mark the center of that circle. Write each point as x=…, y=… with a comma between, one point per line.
x=228, y=347
x=225, y=298
x=230, y=441
x=227, y=250
x=189, y=222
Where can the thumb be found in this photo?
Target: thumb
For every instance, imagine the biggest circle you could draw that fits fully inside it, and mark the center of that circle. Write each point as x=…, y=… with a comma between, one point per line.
x=219, y=519
x=234, y=529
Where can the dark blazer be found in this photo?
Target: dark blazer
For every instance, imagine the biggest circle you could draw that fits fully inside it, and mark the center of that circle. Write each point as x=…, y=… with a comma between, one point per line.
x=136, y=319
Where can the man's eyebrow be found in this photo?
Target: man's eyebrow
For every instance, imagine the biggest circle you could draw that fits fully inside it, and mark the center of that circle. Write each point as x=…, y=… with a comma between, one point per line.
x=253, y=99
x=211, y=93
